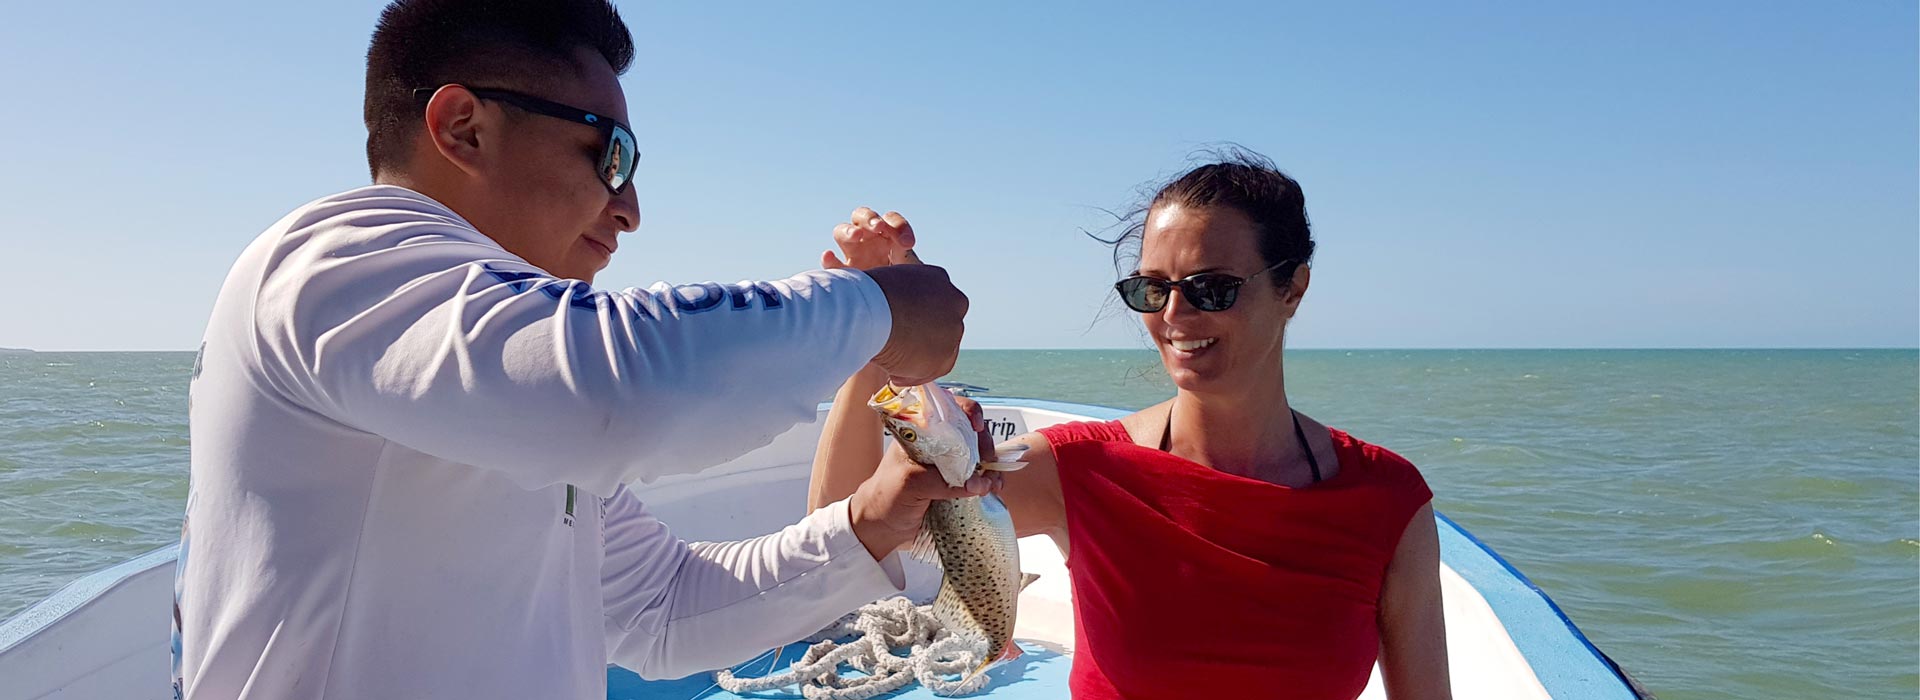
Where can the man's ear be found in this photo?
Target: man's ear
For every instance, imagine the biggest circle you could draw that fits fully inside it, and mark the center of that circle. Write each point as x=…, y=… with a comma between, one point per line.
x=453, y=124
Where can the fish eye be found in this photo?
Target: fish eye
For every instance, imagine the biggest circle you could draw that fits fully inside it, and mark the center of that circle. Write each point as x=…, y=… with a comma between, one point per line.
x=906, y=434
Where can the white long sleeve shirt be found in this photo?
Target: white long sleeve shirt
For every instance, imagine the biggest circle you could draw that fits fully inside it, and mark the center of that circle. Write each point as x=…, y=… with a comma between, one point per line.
x=408, y=454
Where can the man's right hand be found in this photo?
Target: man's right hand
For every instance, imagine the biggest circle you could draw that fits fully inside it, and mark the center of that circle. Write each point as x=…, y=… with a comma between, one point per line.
x=927, y=323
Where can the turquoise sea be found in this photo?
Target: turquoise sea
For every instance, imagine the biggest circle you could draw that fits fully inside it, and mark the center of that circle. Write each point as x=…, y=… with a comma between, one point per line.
x=1724, y=523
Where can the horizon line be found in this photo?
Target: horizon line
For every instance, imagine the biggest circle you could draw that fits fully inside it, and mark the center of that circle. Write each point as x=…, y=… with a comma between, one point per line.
x=5, y=350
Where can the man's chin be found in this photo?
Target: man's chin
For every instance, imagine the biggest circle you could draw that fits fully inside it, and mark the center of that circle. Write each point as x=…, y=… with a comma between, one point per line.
x=591, y=262
x=582, y=265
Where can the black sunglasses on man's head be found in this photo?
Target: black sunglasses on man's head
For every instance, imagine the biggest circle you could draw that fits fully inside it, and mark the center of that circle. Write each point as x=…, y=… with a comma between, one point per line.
x=1207, y=291
x=617, y=160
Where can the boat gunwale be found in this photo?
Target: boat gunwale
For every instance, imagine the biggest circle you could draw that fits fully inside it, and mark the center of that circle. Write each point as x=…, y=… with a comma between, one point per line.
x=1531, y=617
x=77, y=594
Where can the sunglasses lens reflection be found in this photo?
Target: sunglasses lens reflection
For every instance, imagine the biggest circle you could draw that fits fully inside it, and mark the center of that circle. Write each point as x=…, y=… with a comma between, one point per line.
x=1206, y=292
x=1142, y=295
x=616, y=167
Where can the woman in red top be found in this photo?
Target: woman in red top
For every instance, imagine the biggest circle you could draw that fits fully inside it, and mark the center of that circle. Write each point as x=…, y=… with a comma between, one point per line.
x=1220, y=544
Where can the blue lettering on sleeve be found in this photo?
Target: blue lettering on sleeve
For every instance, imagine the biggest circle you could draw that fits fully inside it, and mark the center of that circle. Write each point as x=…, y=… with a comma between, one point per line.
x=581, y=296
x=686, y=298
x=516, y=280
x=743, y=295
x=577, y=294
x=709, y=297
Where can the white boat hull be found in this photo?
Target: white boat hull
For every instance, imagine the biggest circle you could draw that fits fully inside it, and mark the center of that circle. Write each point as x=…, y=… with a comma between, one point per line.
x=106, y=636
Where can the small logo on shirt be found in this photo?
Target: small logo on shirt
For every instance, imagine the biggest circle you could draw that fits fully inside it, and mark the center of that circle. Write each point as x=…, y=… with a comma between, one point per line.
x=566, y=517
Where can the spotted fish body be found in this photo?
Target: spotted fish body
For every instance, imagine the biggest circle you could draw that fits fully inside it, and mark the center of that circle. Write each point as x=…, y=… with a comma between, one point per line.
x=971, y=539
x=980, y=563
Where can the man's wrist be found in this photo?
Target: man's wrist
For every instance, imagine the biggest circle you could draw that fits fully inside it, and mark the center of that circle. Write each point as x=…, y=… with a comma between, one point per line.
x=875, y=534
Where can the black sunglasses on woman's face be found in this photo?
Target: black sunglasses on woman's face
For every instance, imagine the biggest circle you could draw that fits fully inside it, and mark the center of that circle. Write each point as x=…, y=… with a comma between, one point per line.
x=1207, y=291
x=617, y=160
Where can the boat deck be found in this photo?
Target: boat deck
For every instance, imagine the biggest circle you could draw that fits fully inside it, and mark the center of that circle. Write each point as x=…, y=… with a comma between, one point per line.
x=1038, y=673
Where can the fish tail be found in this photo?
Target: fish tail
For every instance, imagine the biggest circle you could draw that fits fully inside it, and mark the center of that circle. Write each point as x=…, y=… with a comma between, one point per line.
x=1013, y=652
x=1010, y=653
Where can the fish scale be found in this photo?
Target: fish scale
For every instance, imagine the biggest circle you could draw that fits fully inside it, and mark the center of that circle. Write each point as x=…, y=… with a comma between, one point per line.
x=978, y=592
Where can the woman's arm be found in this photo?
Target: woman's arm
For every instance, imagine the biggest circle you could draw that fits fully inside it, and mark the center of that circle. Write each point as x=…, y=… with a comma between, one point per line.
x=850, y=442
x=1032, y=493
x=1413, y=625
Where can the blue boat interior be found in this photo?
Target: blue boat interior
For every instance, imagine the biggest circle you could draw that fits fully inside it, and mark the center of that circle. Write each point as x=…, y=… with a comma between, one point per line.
x=1038, y=673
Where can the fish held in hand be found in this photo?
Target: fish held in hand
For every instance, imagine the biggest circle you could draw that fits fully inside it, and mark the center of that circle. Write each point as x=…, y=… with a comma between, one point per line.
x=971, y=539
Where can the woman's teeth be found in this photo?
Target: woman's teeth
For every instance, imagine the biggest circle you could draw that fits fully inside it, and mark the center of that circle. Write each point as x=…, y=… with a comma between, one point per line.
x=1190, y=345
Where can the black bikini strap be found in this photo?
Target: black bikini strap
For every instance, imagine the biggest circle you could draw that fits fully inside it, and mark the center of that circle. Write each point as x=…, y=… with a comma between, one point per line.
x=1302, y=435
x=1166, y=434
x=1166, y=441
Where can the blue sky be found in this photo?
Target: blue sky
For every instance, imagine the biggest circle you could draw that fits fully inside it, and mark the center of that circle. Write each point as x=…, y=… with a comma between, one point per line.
x=1633, y=174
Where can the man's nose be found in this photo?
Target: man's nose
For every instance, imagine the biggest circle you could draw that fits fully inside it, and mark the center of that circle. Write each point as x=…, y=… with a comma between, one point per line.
x=625, y=208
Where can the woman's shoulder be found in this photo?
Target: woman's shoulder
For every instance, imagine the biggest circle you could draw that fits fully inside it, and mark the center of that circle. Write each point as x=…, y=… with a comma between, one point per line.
x=1060, y=434
x=1377, y=463
x=1349, y=443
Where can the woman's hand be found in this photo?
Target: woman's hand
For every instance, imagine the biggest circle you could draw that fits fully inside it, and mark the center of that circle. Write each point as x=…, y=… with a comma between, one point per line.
x=870, y=240
x=848, y=454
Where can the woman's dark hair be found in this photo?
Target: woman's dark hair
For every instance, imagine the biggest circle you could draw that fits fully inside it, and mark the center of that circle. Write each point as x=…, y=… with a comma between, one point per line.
x=485, y=43
x=1246, y=182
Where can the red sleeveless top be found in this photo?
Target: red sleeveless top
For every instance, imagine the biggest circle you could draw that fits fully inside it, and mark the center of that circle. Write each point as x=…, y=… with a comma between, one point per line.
x=1191, y=582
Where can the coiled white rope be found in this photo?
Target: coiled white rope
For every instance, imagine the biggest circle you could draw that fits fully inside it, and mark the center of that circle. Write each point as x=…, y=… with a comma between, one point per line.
x=877, y=629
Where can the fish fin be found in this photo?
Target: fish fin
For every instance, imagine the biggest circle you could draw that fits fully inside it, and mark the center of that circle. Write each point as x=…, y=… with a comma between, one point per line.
x=1010, y=451
x=950, y=610
x=977, y=669
x=1027, y=580
x=1010, y=653
x=923, y=548
x=1007, y=457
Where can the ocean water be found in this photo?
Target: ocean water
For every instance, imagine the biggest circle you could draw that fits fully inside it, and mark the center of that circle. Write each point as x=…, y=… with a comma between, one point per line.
x=1725, y=524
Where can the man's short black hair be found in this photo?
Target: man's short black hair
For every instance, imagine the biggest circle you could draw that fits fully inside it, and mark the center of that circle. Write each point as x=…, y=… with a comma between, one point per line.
x=486, y=43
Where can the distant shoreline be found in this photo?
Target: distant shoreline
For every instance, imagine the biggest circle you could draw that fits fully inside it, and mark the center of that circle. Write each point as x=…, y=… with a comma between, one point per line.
x=15, y=351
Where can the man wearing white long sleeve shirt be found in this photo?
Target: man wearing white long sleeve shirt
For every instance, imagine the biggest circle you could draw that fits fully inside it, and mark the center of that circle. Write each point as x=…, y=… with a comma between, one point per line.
x=412, y=416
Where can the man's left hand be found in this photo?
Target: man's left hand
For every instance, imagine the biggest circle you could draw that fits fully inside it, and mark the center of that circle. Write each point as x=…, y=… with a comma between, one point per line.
x=888, y=508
